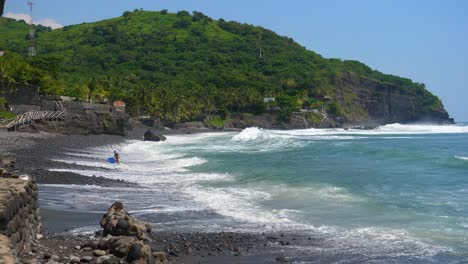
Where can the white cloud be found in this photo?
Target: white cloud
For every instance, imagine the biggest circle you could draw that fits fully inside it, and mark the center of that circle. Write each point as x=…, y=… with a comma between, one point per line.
x=48, y=22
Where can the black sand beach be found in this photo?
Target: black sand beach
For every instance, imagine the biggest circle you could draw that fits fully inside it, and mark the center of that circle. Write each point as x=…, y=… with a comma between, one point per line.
x=34, y=153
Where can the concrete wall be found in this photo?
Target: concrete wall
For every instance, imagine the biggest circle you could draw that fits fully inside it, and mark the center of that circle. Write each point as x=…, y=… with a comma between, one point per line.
x=19, y=215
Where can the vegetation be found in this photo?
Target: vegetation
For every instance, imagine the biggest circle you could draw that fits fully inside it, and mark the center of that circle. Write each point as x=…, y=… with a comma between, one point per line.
x=185, y=66
x=7, y=115
x=3, y=104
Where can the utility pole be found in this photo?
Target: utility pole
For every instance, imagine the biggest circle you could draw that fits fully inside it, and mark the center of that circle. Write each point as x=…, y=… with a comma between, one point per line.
x=2, y=6
x=32, y=41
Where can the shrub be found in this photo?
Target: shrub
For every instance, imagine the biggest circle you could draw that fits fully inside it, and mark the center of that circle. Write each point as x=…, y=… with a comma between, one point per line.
x=3, y=104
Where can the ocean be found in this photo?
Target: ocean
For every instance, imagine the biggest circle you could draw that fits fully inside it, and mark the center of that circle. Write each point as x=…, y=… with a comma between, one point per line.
x=395, y=194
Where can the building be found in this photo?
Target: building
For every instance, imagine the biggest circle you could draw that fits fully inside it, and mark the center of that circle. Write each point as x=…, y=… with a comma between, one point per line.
x=119, y=106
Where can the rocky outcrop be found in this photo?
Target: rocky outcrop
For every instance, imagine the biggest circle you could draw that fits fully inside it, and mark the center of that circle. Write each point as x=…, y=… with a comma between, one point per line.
x=89, y=123
x=154, y=136
x=371, y=102
x=124, y=240
x=117, y=222
x=19, y=214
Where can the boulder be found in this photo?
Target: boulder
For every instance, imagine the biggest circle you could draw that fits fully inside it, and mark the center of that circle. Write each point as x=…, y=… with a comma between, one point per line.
x=139, y=253
x=154, y=136
x=117, y=222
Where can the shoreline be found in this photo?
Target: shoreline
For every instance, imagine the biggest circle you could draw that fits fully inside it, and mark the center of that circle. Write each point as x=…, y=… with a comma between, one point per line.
x=34, y=153
x=181, y=245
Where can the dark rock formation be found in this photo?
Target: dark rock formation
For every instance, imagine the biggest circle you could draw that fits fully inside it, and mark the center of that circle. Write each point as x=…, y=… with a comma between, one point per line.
x=154, y=136
x=117, y=222
x=124, y=240
x=383, y=103
x=89, y=123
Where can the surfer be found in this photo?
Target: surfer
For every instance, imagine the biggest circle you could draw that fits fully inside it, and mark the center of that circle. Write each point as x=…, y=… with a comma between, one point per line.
x=116, y=157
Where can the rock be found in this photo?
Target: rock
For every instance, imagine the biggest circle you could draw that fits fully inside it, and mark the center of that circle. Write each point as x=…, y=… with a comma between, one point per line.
x=108, y=259
x=134, y=253
x=77, y=247
x=89, y=245
x=161, y=257
x=87, y=259
x=54, y=257
x=74, y=259
x=153, y=136
x=99, y=252
x=39, y=236
x=121, y=245
x=132, y=226
x=47, y=256
x=104, y=244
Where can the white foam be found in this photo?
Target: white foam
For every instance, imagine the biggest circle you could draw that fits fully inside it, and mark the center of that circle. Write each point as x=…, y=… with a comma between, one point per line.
x=239, y=203
x=462, y=158
x=254, y=133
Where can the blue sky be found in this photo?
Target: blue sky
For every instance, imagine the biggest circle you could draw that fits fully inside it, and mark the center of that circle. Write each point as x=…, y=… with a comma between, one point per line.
x=425, y=40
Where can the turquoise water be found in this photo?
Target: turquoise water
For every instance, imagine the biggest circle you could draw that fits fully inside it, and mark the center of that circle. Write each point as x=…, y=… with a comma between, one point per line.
x=395, y=194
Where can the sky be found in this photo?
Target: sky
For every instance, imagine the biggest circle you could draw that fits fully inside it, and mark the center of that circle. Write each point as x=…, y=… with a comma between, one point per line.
x=424, y=40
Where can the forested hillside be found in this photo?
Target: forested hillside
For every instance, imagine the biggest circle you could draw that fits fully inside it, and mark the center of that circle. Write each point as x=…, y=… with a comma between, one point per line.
x=185, y=66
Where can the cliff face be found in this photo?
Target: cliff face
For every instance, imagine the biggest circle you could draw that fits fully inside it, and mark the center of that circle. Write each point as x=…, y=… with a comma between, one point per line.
x=377, y=103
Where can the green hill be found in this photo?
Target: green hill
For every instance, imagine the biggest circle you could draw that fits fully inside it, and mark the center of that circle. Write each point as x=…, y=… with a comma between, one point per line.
x=185, y=66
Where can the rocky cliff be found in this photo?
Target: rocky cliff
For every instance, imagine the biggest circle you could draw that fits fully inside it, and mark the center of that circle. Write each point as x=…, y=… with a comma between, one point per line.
x=367, y=101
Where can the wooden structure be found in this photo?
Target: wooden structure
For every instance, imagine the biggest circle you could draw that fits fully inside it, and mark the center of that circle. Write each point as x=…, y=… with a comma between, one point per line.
x=31, y=117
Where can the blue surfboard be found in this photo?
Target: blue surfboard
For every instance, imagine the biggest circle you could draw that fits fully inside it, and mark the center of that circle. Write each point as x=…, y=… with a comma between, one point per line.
x=111, y=160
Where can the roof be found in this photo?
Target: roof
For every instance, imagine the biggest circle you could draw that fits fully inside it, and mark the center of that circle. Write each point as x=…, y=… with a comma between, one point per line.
x=119, y=103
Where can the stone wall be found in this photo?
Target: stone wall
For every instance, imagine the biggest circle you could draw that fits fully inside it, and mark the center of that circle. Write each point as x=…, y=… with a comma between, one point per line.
x=19, y=215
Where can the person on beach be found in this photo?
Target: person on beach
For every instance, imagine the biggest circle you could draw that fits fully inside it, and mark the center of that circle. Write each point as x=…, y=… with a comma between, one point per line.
x=117, y=157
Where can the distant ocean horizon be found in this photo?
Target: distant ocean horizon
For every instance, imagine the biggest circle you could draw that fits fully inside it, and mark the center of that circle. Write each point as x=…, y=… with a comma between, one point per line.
x=395, y=194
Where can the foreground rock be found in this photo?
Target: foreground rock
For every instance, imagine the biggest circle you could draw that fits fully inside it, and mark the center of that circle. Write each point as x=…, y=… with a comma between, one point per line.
x=117, y=222
x=124, y=240
x=154, y=136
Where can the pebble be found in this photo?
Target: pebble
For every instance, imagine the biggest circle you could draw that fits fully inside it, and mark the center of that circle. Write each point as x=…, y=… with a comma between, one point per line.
x=74, y=259
x=77, y=247
x=87, y=259
x=99, y=252
x=87, y=249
